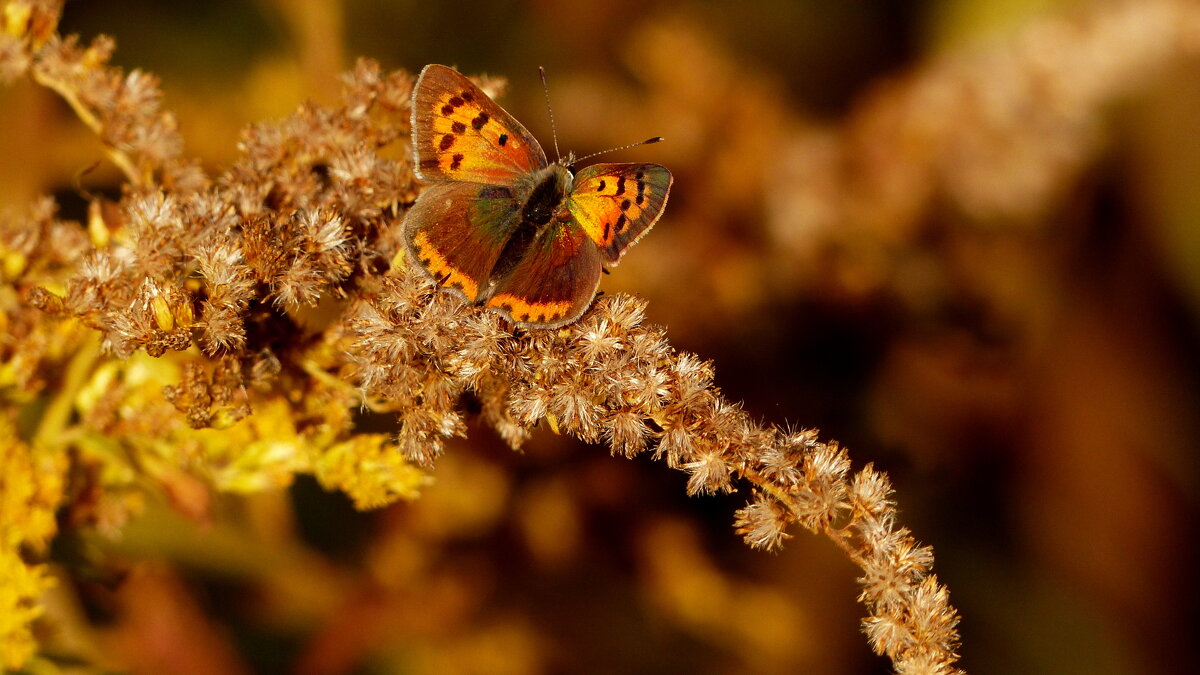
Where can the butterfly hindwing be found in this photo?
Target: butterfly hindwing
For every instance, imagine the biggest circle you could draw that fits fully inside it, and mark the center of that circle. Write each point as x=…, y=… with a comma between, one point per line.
x=616, y=204
x=459, y=133
x=553, y=282
x=456, y=232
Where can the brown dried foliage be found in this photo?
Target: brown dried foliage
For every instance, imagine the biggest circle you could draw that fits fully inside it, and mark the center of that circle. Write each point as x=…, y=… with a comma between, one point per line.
x=280, y=278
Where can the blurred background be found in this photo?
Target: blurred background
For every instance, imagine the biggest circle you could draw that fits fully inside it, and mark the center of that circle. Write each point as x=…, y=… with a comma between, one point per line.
x=962, y=237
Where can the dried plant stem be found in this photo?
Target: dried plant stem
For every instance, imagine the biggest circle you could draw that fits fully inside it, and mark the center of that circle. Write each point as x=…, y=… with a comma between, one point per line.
x=611, y=377
x=88, y=117
x=841, y=536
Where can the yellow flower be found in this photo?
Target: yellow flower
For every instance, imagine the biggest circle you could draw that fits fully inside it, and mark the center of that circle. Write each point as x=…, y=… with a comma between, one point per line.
x=371, y=470
x=21, y=588
x=31, y=483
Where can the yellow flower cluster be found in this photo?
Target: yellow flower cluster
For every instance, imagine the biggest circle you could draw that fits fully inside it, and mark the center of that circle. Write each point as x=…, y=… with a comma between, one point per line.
x=31, y=487
x=370, y=470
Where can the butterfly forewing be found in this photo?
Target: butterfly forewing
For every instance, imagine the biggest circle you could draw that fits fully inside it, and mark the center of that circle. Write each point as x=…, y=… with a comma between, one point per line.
x=459, y=133
x=456, y=232
x=616, y=204
x=554, y=281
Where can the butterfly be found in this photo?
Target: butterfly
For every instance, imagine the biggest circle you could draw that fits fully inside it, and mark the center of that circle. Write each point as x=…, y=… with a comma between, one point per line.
x=503, y=227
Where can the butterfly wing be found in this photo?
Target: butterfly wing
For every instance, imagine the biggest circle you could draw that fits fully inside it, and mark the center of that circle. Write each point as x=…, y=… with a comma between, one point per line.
x=460, y=133
x=456, y=232
x=482, y=165
x=553, y=282
x=616, y=204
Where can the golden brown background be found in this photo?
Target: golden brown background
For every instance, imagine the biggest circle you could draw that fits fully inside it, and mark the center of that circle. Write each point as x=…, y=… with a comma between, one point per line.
x=962, y=237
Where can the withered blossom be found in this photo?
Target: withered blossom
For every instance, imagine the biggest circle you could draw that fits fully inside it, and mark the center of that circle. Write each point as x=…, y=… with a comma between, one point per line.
x=223, y=330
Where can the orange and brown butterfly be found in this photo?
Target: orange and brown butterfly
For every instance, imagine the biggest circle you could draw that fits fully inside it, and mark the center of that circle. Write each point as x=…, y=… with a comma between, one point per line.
x=504, y=227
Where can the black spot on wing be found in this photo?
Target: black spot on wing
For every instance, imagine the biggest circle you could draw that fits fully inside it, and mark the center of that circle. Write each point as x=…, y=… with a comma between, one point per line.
x=620, y=187
x=503, y=139
x=467, y=96
x=453, y=103
x=621, y=221
x=458, y=127
x=456, y=161
x=480, y=120
x=625, y=204
x=602, y=186
x=446, y=142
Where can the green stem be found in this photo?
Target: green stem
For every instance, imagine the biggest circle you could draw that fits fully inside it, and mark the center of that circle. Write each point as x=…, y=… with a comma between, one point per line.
x=53, y=426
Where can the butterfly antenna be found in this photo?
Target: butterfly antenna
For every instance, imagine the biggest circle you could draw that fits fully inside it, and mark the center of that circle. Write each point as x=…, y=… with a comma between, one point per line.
x=648, y=141
x=553, y=131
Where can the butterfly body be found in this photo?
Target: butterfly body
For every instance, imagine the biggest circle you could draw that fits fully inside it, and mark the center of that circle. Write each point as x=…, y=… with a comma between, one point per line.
x=503, y=227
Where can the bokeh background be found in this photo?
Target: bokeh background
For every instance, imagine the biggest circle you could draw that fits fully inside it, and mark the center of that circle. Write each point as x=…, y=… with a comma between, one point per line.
x=962, y=237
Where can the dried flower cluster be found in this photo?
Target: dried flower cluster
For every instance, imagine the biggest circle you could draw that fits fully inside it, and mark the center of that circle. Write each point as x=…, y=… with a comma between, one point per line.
x=987, y=139
x=242, y=319
x=611, y=378
x=994, y=137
